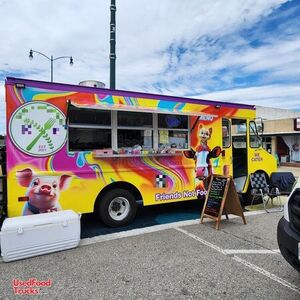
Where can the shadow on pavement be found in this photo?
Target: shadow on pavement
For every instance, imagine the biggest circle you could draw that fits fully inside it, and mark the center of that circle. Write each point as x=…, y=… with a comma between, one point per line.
x=146, y=216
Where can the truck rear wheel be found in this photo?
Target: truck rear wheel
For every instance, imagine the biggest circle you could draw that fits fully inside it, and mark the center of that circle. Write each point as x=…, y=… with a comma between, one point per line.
x=117, y=207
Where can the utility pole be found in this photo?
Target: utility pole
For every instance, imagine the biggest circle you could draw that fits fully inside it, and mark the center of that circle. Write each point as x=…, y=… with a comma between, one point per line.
x=112, y=55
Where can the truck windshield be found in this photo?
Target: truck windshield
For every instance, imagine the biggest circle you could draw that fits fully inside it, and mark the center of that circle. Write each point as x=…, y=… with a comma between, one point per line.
x=255, y=141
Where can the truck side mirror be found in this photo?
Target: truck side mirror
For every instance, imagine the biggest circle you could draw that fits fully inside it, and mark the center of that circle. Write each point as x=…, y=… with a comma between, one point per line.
x=262, y=127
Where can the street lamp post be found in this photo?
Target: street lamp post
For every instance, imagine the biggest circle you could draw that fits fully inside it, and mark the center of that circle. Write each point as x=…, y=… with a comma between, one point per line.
x=51, y=58
x=112, y=55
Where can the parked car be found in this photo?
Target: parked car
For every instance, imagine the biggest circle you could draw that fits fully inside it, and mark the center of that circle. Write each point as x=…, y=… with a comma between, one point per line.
x=288, y=230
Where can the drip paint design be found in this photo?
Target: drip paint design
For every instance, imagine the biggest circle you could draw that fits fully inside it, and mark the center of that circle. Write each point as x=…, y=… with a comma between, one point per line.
x=76, y=163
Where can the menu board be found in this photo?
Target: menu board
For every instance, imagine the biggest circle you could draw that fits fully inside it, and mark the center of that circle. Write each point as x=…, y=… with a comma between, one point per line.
x=221, y=198
x=215, y=196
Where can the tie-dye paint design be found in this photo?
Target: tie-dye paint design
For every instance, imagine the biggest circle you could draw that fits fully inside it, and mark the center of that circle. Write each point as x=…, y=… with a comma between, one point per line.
x=90, y=175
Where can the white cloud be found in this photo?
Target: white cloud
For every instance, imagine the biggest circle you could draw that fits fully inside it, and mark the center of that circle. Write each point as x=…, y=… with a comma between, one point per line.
x=208, y=31
x=277, y=95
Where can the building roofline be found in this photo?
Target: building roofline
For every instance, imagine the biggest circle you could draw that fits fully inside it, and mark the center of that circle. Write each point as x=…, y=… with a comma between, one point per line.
x=281, y=133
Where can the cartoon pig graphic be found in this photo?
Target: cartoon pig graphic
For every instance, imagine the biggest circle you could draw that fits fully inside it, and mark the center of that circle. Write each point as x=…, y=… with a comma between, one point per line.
x=43, y=191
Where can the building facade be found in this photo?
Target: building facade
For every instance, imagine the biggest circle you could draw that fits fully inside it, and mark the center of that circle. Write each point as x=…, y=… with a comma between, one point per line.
x=281, y=133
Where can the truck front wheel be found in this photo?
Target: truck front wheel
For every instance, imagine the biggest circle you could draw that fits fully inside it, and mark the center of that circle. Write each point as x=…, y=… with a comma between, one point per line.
x=117, y=207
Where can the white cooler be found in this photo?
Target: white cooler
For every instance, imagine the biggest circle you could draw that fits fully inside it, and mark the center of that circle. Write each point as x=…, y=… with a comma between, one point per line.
x=32, y=235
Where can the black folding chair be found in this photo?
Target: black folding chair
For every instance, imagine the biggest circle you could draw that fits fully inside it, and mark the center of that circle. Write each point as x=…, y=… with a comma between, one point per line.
x=283, y=181
x=260, y=189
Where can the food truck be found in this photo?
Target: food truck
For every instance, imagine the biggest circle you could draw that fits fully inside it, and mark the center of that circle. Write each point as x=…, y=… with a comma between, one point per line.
x=99, y=150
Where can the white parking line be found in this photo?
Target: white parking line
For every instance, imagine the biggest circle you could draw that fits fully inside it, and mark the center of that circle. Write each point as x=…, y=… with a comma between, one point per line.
x=251, y=251
x=243, y=262
x=267, y=274
x=150, y=229
x=204, y=242
x=135, y=232
x=154, y=228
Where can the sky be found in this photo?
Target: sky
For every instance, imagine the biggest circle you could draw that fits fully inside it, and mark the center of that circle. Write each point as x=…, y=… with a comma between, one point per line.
x=237, y=51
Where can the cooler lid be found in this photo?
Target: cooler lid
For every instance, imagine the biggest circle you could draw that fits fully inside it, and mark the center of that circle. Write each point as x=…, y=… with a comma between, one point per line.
x=11, y=224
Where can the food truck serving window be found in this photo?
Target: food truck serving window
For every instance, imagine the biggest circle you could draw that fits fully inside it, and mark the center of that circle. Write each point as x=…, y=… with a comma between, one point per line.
x=135, y=130
x=136, y=119
x=89, y=116
x=125, y=131
x=173, y=121
x=89, y=129
x=84, y=139
x=173, y=131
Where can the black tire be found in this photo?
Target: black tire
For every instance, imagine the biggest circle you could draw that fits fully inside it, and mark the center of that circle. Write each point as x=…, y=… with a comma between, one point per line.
x=289, y=257
x=109, y=207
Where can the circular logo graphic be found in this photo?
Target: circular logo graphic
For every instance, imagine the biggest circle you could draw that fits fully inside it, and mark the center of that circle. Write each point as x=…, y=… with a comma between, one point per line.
x=38, y=128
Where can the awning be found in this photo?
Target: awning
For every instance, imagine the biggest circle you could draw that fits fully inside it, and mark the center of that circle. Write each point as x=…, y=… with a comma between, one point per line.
x=150, y=106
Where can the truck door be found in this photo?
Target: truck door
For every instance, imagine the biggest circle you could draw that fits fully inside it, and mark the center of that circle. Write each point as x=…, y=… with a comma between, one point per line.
x=239, y=152
x=227, y=147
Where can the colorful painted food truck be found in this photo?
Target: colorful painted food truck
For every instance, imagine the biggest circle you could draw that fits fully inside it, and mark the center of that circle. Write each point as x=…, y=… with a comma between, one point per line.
x=99, y=150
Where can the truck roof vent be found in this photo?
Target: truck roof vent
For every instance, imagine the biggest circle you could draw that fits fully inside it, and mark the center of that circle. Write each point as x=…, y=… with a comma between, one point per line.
x=92, y=83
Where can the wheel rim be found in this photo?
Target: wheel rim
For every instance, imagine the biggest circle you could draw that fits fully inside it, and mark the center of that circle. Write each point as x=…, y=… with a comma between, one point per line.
x=119, y=208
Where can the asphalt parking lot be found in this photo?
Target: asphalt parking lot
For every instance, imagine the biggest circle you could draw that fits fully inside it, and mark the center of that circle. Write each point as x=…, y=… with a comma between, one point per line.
x=154, y=215
x=165, y=254
x=180, y=260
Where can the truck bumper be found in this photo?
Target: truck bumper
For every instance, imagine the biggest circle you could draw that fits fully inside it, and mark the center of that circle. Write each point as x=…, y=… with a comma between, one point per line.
x=288, y=241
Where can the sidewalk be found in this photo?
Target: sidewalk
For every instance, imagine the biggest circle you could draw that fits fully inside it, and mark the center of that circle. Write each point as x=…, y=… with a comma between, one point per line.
x=294, y=170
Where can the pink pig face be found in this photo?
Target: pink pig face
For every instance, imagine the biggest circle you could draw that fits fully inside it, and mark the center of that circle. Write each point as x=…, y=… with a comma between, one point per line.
x=43, y=191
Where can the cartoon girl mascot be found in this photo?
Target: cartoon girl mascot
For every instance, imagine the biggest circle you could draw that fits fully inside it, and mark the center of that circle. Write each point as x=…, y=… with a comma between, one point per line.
x=202, y=156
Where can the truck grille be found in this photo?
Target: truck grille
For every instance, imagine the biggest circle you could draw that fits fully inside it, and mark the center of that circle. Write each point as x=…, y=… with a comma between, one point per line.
x=294, y=210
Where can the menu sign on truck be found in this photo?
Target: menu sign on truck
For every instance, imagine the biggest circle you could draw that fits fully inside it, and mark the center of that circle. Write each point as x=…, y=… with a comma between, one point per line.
x=221, y=198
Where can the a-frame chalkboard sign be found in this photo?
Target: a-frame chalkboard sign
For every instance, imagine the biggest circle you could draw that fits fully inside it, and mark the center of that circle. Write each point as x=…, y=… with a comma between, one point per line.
x=221, y=198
